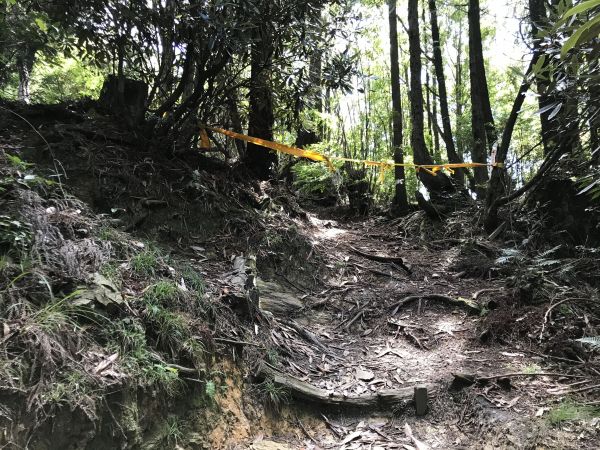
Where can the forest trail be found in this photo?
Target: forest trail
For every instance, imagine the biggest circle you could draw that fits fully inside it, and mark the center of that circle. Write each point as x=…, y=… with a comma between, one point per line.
x=366, y=344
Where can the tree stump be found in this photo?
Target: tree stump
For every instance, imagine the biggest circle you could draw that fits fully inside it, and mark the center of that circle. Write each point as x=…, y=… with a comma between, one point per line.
x=125, y=98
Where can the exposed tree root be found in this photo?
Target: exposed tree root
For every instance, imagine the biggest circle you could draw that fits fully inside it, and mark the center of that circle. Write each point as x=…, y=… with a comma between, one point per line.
x=306, y=391
x=469, y=305
x=384, y=259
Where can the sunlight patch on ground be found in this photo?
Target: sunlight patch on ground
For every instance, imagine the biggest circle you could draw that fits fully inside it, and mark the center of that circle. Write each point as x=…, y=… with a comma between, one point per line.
x=327, y=229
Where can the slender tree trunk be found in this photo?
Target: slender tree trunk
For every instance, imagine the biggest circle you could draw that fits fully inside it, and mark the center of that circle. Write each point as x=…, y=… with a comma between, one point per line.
x=434, y=184
x=25, y=61
x=594, y=114
x=437, y=153
x=261, y=118
x=315, y=75
x=498, y=181
x=480, y=99
x=458, y=92
x=453, y=157
x=539, y=21
x=400, y=201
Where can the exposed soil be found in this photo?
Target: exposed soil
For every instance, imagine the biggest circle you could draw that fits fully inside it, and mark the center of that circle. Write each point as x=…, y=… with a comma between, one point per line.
x=366, y=351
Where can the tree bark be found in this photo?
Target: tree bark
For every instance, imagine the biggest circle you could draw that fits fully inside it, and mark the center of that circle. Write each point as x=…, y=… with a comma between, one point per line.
x=437, y=153
x=261, y=118
x=25, y=61
x=453, y=157
x=481, y=120
x=434, y=184
x=498, y=182
x=400, y=201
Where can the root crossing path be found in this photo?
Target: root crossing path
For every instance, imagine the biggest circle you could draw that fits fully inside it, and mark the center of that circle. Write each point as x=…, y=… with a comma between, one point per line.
x=396, y=313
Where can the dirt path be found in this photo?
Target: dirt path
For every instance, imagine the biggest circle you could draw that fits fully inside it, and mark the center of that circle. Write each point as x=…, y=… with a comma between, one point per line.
x=367, y=345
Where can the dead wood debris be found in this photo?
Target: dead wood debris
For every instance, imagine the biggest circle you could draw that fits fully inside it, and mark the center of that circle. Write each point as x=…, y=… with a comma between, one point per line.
x=469, y=305
x=302, y=390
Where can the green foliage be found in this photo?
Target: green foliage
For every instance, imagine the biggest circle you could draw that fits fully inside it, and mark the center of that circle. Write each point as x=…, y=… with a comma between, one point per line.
x=314, y=180
x=145, y=263
x=17, y=162
x=584, y=33
x=274, y=395
x=570, y=411
x=210, y=389
x=64, y=79
x=73, y=388
x=15, y=237
x=164, y=293
x=111, y=271
x=193, y=281
x=173, y=433
x=165, y=378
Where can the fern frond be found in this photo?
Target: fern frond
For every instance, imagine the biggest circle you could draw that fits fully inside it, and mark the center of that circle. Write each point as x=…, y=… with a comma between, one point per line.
x=594, y=341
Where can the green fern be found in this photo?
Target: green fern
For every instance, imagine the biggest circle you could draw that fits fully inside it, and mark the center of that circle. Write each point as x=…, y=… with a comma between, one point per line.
x=594, y=341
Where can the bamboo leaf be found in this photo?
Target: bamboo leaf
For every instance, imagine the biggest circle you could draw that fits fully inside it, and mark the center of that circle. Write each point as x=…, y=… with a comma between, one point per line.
x=575, y=38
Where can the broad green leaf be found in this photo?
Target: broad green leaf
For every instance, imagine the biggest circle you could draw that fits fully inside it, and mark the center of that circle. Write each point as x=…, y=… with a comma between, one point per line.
x=582, y=7
x=539, y=64
x=574, y=39
x=41, y=24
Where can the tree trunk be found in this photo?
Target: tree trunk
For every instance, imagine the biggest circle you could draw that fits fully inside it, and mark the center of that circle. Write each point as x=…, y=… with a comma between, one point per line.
x=453, y=157
x=400, y=201
x=498, y=182
x=25, y=61
x=458, y=92
x=594, y=114
x=481, y=119
x=539, y=20
x=261, y=118
x=437, y=154
x=434, y=184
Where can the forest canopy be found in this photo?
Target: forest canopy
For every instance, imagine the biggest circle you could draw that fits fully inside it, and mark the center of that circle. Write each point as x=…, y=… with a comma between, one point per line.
x=422, y=87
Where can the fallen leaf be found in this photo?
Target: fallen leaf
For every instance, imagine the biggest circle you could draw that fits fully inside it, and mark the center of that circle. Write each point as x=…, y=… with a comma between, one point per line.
x=351, y=437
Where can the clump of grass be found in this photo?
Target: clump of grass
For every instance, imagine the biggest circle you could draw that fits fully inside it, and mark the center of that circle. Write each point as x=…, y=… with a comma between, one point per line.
x=193, y=281
x=164, y=292
x=273, y=394
x=570, y=411
x=128, y=337
x=532, y=368
x=145, y=263
x=111, y=271
x=273, y=357
x=173, y=433
x=165, y=378
x=74, y=388
x=108, y=234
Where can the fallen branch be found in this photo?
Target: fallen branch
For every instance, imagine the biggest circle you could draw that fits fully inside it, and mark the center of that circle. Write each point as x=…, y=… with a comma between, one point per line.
x=306, y=391
x=549, y=310
x=307, y=335
x=355, y=318
x=234, y=342
x=376, y=272
x=469, y=305
x=384, y=259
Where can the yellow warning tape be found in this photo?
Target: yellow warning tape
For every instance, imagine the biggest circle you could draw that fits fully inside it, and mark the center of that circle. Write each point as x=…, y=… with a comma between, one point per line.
x=315, y=156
